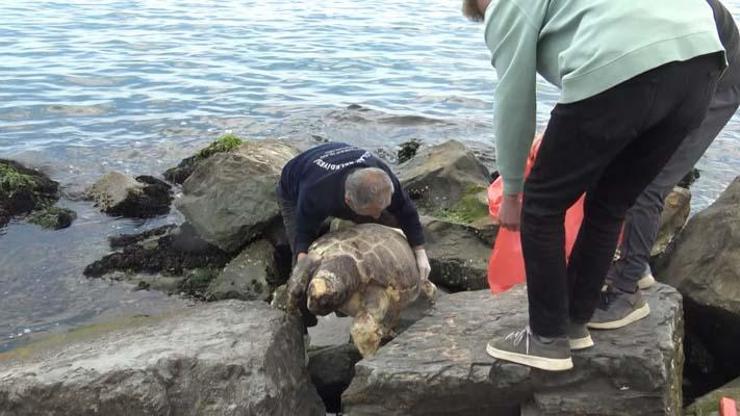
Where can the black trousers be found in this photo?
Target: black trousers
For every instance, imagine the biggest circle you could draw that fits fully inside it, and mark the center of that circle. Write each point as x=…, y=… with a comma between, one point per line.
x=610, y=146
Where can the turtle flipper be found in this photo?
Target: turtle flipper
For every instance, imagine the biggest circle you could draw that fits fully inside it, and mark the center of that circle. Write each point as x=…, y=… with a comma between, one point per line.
x=298, y=281
x=366, y=334
x=372, y=325
x=429, y=290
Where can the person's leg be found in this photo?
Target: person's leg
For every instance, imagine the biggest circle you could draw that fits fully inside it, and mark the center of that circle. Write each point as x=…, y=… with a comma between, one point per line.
x=681, y=105
x=581, y=139
x=643, y=219
x=287, y=211
x=581, y=143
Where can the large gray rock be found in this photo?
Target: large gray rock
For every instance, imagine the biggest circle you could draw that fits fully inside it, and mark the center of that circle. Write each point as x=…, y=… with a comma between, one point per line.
x=705, y=267
x=439, y=366
x=440, y=176
x=676, y=210
x=458, y=254
x=230, y=197
x=249, y=276
x=225, y=358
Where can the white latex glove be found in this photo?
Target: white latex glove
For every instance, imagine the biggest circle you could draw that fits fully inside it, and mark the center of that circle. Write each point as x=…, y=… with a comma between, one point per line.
x=422, y=262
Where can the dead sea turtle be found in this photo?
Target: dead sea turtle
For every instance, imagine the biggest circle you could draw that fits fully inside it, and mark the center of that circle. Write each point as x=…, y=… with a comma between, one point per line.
x=367, y=271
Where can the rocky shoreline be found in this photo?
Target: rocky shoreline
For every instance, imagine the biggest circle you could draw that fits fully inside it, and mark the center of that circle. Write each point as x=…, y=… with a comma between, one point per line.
x=31, y=194
x=231, y=251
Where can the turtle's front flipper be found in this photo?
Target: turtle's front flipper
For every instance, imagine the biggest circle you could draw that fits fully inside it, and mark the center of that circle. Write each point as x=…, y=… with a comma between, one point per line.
x=372, y=322
x=298, y=281
x=366, y=334
x=429, y=290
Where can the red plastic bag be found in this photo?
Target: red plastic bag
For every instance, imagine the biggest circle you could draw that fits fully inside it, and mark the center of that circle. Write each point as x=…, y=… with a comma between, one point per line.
x=506, y=264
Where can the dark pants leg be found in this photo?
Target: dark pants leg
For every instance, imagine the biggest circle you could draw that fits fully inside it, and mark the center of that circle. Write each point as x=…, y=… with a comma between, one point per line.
x=642, y=222
x=610, y=146
x=287, y=210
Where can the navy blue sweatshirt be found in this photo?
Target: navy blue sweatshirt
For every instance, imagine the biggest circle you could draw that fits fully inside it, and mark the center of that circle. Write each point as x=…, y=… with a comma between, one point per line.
x=314, y=182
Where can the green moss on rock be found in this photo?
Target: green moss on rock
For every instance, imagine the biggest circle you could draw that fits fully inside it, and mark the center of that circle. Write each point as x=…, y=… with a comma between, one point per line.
x=468, y=209
x=198, y=280
x=408, y=150
x=181, y=172
x=225, y=143
x=23, y=190
x=12, y=180
x=53, y=218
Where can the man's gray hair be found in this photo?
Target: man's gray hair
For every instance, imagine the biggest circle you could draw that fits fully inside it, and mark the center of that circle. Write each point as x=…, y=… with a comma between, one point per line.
x=472, y=11
x=368, y=186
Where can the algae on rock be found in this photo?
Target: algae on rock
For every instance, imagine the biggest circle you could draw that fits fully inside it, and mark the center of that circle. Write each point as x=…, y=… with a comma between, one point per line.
x=469, y=209
x=23, y=190
x=182, y=171
x=12, y=180
x=225, y=143
x=407, y=150
x=197, y=281
x=54, y=218
x=167, y=250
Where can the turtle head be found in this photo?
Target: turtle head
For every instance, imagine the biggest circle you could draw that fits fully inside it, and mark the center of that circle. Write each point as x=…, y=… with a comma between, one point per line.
x=332, y=284
x=298, y=281
x=323, y=297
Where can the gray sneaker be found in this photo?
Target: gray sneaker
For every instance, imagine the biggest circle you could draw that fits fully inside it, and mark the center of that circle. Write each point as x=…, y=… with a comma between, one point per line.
x=578, y=337
x=646, y=280
x=617, y=309
x=524, y=347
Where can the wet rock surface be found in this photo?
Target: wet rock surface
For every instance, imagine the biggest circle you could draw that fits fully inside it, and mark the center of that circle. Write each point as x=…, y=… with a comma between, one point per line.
x=332, y=369
x=167, y=250
x=141, y=197
x=407, y=150
x=225, y=358
x=439, y=365
x=676, y=210
x=252, y=275
x=704, y=265
x=53, y=218
x=230, y=197
x=458, y=254
x=439, y=177
x=23, y=190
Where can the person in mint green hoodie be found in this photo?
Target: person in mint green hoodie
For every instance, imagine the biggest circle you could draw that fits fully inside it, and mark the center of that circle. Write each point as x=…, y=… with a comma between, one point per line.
x=635, y=78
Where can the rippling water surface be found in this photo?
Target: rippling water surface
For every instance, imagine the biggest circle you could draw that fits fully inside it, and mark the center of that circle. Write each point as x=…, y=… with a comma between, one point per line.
x=86, y=87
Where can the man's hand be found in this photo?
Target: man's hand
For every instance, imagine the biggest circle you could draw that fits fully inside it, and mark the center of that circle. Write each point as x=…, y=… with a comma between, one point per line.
x=300, y=256
x=510, y=212
x=422, y=262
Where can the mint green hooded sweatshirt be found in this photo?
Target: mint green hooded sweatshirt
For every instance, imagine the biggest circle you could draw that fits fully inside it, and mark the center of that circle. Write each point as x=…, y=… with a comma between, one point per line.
x=584, y=47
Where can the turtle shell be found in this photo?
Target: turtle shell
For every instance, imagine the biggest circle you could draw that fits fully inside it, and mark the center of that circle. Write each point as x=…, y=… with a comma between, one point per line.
x=381, y=255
